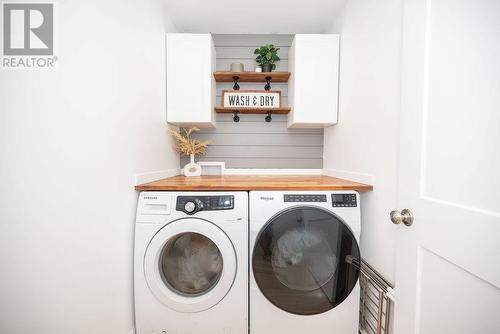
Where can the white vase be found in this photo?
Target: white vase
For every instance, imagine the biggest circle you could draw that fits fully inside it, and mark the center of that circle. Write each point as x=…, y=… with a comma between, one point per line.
x=192, y=168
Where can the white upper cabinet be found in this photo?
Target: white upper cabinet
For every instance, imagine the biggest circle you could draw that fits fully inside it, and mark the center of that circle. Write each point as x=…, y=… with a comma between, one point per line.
x=190, y=81
x=313, y=86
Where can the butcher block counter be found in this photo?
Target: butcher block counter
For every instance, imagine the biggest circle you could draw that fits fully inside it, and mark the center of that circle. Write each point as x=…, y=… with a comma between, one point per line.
x=253, y=182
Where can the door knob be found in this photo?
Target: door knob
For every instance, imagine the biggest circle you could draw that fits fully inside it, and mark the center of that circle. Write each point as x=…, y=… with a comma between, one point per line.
x=404, y=216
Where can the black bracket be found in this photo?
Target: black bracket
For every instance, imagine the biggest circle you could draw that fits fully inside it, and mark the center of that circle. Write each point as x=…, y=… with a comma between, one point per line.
x=268, y=117
x=268, y=84
x=236, y=118
x=236, y=86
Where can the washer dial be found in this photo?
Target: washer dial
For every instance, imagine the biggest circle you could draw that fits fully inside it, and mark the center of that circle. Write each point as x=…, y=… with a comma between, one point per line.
x=190, y=207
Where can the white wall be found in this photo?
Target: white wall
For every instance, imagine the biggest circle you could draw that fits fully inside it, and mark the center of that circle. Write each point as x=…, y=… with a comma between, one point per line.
x=71, y=141
x=364, y=144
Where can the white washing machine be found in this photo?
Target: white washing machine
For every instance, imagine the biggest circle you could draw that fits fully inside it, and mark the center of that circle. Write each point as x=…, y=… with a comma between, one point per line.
x=304, y=262
x=191, y=263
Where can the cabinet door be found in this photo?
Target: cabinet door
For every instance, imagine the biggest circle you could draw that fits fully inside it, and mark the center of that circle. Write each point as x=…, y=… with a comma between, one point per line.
x=313, y=85
x=190, y=82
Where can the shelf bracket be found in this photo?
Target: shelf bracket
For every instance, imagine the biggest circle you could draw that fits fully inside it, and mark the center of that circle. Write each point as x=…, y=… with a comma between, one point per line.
x=268, y=84
x=236, y=118
x=268, y=117
x=235, y=80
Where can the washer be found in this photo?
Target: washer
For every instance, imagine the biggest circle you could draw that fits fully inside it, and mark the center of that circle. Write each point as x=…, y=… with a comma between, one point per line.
x=191, y=263
x=304, y=263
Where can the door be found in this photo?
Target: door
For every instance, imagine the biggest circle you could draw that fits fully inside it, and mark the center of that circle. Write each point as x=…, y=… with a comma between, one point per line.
x=305, y=260
x=190, y=265
x=448, y=261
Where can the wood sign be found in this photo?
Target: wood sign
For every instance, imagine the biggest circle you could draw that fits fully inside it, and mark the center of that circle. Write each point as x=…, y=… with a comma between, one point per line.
x=251, y=99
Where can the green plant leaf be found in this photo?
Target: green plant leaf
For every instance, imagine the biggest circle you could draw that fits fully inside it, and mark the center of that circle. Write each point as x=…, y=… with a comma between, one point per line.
x=267, y=54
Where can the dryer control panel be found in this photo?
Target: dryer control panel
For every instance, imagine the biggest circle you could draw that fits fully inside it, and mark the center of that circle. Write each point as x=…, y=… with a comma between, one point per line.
x=193, y=204
x=304, y=198
x=344, y=200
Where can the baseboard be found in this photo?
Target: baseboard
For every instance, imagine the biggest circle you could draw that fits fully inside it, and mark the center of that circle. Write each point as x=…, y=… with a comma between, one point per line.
x=156, y=175
x=352, y=176
x=251, y=171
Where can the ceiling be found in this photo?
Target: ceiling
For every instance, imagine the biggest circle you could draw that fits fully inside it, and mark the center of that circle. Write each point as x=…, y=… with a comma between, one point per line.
x=253, y=17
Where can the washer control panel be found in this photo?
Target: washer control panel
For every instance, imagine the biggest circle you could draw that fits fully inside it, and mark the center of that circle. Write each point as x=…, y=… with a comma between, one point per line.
x=193, y=204
x=304, y=198
x=344, y=200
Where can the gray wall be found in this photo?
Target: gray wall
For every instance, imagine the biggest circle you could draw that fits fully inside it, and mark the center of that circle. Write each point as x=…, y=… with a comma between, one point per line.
x=253, y=143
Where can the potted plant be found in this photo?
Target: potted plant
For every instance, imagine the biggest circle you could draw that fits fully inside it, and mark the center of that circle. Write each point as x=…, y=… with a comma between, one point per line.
x=189, y=146
x=267, y=56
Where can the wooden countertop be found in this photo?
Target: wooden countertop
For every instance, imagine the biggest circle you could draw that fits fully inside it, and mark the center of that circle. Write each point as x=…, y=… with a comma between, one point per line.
x=253, y=182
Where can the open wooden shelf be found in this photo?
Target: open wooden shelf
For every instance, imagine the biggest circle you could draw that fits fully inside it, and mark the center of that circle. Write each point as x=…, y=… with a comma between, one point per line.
x=284, y=110
x=251, y=76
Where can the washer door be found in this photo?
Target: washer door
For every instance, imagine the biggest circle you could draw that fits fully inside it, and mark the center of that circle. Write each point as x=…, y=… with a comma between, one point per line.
x=305, y=260
x=190, y=265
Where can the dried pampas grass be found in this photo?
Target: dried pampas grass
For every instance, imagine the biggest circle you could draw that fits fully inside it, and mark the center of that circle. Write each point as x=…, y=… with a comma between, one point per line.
x=186, y=145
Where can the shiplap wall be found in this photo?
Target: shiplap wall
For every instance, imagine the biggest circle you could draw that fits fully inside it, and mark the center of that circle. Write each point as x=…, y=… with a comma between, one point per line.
x=253, y=143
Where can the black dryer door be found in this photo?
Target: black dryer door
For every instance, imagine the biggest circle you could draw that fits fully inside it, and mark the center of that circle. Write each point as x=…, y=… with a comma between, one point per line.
x=305, y=260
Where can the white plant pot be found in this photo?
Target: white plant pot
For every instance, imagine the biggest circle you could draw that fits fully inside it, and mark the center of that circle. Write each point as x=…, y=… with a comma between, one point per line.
x=192, y=168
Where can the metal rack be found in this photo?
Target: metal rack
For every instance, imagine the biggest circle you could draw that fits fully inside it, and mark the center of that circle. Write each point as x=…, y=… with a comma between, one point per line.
x=376, y=298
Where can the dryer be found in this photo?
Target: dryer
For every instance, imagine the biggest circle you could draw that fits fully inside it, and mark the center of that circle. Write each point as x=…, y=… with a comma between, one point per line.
x=304, y=262
x=191, y=263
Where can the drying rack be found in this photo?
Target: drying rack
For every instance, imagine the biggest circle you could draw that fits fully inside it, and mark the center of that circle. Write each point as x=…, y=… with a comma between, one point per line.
x=376, y=298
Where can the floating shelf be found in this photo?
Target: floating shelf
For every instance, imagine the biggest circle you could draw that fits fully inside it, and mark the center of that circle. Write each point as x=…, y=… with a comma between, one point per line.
x=251, y=76
x=284, y=110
